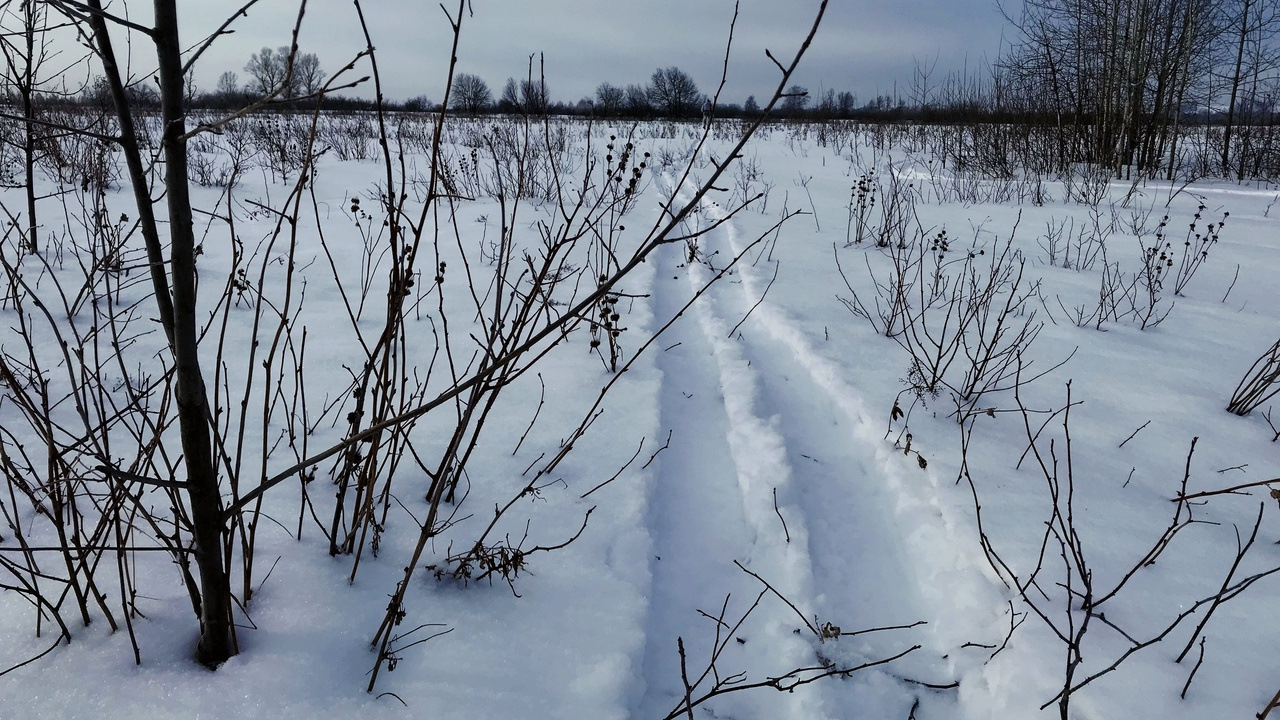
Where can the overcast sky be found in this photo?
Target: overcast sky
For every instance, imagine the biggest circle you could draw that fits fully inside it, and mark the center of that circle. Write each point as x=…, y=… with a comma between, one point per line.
x=863, y=46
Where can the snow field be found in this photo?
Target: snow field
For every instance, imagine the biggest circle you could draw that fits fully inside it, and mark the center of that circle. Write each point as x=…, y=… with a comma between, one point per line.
x=776, y=403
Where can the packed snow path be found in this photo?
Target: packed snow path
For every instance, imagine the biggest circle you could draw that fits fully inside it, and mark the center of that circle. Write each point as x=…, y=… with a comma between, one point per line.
x=773, y=462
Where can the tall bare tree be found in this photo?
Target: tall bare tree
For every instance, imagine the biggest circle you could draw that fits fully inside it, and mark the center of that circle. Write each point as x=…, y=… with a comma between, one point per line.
x=174, y=281
x=308, y=78
x=1112, y=73
x=637, y=102
x=471, y=94
x=526, y=96
x=284, y=73
x=673, y=93
x=266, y=69
x=228, y=83
x=609, y=99
x=1252, y=26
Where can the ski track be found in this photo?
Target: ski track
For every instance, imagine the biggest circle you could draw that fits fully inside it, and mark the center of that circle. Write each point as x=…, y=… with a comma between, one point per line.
x=871, y=543
x=705, y=511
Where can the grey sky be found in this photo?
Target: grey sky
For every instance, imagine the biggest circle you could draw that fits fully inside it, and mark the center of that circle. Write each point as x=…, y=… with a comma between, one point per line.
x=863, y=46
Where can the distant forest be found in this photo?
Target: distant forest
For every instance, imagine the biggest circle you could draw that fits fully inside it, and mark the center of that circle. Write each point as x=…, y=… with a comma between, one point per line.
x=1116, y=82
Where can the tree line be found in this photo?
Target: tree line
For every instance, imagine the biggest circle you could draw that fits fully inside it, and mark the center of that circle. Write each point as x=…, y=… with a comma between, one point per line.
x=1119, y=77
x=1115, y=82
x=296, y=79
x=670, y=93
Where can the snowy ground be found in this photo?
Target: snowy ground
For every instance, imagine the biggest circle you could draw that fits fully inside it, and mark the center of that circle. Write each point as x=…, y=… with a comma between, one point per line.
x=767, y=439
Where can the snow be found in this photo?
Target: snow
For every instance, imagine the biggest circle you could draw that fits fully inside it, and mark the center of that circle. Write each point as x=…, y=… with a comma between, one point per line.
x=761, y=429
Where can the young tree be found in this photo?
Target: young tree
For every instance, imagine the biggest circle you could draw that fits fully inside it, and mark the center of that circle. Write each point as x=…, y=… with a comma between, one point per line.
x=673, y=93
x=921, y=90
x=175, y=295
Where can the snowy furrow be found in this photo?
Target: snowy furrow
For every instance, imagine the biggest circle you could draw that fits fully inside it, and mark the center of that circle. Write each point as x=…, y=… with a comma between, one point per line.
x=711, y=504
x=888, y=545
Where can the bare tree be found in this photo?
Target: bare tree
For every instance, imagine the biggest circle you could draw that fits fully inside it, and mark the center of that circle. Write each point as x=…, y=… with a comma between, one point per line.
x=228, y=83
x=637, y=102
x=921, y=91
x=846, y=103
x=266, y=70
x=281, y=72
x=610, y=99
x=26, y=49
x=796, y=101
x=826, y=109
x=307, y=78
x=527, y=96
x=471, y=94
x=1252, y=26
x=534, y=97
x=673, y=93
x=509, y=101
x=175, y=295
x=1112, y=74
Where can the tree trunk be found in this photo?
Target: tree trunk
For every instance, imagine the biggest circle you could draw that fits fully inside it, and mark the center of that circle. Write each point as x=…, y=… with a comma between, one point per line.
x=176, y=307
x=216, y=637
x=1236, y=78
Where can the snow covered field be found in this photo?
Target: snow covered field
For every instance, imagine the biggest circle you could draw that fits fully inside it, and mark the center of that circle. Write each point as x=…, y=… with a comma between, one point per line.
x=772, y=489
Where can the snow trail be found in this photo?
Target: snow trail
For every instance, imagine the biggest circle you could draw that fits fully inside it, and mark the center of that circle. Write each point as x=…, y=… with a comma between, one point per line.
x=799, y=484
x=710, y=505
x=938, y=543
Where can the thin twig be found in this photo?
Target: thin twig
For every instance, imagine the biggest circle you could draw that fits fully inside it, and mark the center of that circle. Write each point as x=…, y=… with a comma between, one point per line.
x=1135, y=433
x=1241, y=550
x=1199, y=660
x=784, y=520
x=1224, y=491
x=757, y=304
x=782, y=597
